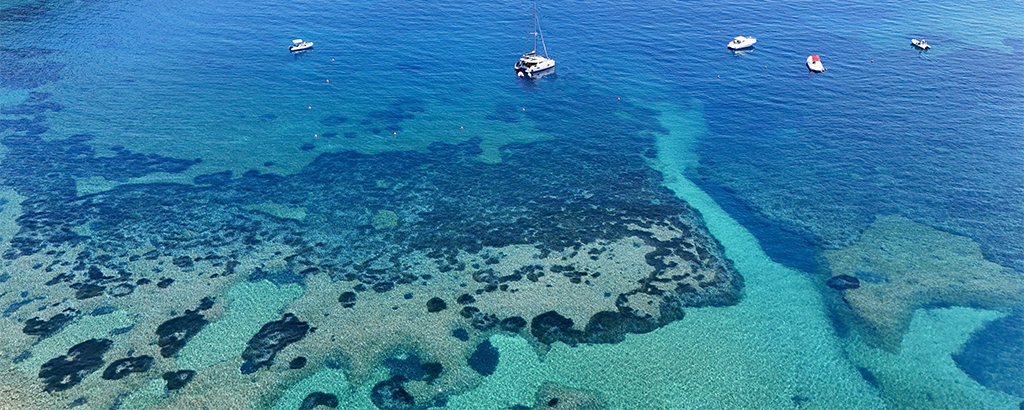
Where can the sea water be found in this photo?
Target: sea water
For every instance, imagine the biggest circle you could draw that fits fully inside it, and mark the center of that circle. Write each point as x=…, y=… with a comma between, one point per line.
x=787, y=168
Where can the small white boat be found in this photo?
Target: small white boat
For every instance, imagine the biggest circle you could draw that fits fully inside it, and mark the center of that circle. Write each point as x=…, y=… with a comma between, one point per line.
x=299, y=45
x=741, y=42
x=814, y=63
x=921, y=44
x=533, y=65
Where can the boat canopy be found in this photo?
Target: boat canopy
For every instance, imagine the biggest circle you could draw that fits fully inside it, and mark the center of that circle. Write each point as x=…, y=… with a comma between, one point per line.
x=815, y=58
x=297, y=41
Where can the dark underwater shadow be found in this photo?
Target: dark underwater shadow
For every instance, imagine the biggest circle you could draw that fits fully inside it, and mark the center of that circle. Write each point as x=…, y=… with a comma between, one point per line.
x=535, y=84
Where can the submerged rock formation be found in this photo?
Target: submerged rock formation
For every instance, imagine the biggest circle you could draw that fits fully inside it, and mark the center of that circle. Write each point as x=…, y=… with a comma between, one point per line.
x=568, y=240
x=317, y=399
x=903, y=266
x=178, y=379
x=47, y=327
x=176, y=332
x=118, y=369
x=843, y=282
x=62, y=373
x=272, y=337
x=484, y=359
x=391, y=395
x=554, y=396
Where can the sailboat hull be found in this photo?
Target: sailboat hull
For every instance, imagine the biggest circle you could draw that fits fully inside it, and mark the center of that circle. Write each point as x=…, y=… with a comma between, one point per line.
x=534, y=66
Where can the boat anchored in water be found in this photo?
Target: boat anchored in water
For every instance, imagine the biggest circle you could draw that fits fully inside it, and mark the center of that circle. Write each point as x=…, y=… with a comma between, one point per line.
x=814, y=63
x=533, y=65
x=741, y=42
x=299, y=45
x=921, y=44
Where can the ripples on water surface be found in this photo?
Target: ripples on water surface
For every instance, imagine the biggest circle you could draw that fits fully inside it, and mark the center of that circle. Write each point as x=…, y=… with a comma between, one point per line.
x=192, y=215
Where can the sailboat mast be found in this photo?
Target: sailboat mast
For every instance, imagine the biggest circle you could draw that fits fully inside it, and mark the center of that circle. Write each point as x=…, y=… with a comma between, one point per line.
x=536, y=27
x=537, y=21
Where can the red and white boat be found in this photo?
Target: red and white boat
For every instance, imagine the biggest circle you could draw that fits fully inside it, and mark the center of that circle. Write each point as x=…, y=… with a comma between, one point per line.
x=814, y=63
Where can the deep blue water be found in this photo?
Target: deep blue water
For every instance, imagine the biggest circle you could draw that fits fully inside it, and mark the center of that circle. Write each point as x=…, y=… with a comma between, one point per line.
x=935, y=141
x=804, y=161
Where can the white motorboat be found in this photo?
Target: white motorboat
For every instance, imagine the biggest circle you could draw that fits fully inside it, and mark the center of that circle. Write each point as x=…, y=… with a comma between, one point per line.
x=741, y=42
x=299, y=45
x=814, y=63
x=921, y=44
x=533, y=65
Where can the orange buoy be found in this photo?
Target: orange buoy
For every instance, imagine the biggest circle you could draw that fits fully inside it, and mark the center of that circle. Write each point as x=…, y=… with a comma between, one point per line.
x=462, y=128
x=314, y=136
x=396, y=132
x=328, y=80
x=311, y=107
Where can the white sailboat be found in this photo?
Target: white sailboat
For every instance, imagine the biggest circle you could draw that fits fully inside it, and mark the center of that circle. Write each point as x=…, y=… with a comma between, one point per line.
x=533, y=65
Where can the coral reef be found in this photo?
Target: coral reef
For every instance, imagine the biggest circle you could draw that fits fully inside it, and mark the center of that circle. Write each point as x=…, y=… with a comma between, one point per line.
x=396, y=255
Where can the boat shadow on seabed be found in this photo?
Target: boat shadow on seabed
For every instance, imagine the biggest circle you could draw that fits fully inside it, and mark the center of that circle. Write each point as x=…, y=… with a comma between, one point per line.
x=535, y=83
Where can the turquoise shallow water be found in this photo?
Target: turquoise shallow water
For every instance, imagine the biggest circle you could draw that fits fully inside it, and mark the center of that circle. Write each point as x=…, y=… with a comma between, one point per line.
x=183, y=145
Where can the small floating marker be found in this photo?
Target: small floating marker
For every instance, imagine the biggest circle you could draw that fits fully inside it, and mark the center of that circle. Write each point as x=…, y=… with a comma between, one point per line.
x=872, y=61
x=719, y=76
x=328, y=80
x=314, y=136
x=396, y=133
x=524, y=108
x=462, y=128
x=620, y=98
x=766, y=67
x=332, y=60
x=311, y=107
